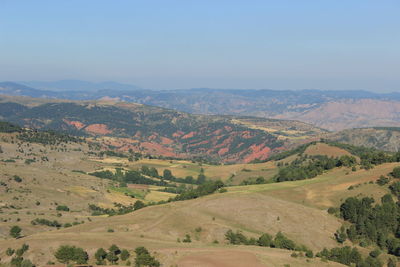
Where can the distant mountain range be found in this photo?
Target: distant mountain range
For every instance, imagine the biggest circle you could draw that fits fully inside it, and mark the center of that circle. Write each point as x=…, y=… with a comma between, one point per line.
x=332, y=110
x=78, y=85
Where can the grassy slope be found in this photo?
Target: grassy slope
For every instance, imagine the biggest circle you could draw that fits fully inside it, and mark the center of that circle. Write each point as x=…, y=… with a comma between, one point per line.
x=325, y=149
x=295, y=208
x=158, y=227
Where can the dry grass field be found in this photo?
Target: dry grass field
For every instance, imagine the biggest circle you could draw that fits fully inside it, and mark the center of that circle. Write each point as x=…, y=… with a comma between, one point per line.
x=325, y=149
x=297, y=209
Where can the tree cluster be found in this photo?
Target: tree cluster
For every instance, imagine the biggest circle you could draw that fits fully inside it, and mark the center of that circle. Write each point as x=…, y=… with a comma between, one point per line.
x=348, y=256
x=377, y=224
x=310, y=167
x=202, y=190
x=266, y=240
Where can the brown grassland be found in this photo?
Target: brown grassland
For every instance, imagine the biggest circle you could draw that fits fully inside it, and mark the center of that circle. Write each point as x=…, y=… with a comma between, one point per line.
x=298, y=209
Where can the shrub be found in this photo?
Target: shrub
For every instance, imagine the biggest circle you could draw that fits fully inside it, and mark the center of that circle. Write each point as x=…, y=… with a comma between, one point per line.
x=15, y=231
x=17, y=179
x=396, y=172
x=187, y=239
x=382, y=180
x=10, y=252
x=62, y=208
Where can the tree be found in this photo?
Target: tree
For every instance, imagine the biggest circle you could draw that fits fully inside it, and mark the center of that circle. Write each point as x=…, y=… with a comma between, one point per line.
x=395, y=188
x=114, y=249
x=15, y=231
x=282, y=241
x=309, y=254
x=201, y=179
x=187, y=239
x=125, y=255
x=26, y=263
x=80, y=256
x=375, y=253
x=112, y=255
x=167, y=175
x=10, y=252
x=100, y=255
x=138, y=205
x=396, y=172
x=382, y=180
x=341, y=235
x=112, y=258
x=265, y=240
x=16, y=261
x=143, y=258
x=67, y=254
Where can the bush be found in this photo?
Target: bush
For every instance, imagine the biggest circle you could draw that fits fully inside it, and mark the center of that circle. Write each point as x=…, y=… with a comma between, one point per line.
x=10, y=252
x=15, y=231
x=187, y=239
x=382, y=180
x=27, y=263
x=396, y=172
x=62, y=208
x=309, y=254
x=17, y=179
x=375, y=253
x=333, y=210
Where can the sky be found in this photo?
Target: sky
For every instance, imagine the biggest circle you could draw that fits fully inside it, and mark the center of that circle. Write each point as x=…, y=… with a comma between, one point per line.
x=171, y=44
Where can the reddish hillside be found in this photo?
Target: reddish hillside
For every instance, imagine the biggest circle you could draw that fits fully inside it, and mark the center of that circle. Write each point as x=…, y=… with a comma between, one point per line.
x=152, y=130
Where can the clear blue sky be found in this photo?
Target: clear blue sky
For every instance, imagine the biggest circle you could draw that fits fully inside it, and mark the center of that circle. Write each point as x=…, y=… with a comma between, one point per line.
x=325, y=44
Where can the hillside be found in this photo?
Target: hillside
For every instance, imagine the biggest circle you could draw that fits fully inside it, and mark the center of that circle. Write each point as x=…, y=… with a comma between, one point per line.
x=65, y=171
x=383, y=138
x=350, y=113
x=333, y=110
x=159, y=131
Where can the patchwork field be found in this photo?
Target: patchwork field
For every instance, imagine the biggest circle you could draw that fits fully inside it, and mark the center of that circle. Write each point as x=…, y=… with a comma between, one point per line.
x=298, y=209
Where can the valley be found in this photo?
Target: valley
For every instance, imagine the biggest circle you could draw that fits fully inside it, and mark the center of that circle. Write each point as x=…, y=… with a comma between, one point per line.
x=58, y=200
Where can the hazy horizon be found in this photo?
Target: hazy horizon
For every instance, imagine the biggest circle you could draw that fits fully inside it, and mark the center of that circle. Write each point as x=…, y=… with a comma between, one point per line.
x=32, y=82
x=279, y=45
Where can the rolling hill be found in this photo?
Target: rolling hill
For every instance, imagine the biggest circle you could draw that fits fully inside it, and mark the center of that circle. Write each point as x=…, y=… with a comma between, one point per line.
x=59, y=170
x=333, y=110
x=383, y=138
x=160, y=131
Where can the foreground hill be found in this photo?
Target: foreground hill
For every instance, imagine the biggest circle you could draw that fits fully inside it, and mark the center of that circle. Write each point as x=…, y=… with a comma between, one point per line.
x=159, y=131
x=333, y=110
x=63, y=190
